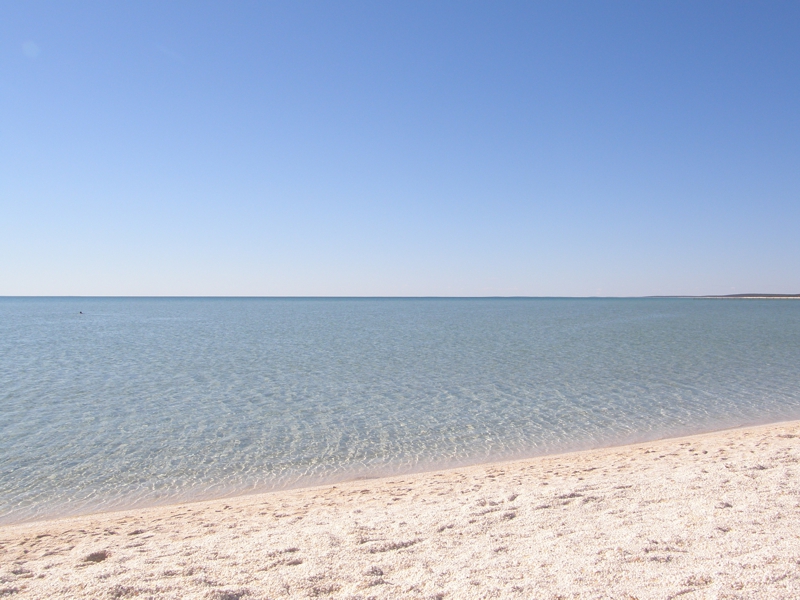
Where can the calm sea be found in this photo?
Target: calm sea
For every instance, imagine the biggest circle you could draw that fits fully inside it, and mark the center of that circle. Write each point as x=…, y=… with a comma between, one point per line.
x=145, y=401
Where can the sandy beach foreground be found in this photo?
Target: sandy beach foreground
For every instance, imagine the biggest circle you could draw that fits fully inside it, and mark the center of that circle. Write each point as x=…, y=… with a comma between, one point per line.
x=708, y=516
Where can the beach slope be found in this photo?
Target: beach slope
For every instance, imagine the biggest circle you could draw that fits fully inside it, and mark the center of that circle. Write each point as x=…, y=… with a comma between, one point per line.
x=708, y=516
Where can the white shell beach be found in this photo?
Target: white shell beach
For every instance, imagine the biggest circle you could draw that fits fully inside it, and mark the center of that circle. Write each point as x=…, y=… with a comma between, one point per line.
x=715, y=515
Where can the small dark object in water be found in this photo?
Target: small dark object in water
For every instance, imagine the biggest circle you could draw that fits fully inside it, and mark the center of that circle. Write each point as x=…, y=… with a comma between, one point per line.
x=80, y=312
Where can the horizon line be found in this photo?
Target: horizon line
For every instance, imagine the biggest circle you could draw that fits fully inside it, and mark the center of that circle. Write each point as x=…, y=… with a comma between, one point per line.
x=431, y=297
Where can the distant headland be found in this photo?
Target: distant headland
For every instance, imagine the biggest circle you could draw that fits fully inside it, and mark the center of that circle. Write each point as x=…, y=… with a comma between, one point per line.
x=740, y=297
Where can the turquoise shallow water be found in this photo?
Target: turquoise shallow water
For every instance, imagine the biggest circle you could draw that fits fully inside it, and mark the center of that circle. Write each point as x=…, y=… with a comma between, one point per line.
x=146, y=401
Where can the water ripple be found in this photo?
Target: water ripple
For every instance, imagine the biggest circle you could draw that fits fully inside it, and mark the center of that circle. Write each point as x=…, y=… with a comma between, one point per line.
x=145, y=401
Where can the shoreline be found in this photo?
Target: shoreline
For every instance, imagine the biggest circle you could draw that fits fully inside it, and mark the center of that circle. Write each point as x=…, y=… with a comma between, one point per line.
x=706, y=515
x=328, y=481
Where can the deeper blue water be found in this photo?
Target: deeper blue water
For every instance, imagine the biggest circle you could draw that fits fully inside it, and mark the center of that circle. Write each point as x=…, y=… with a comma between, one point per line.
x=145, y=401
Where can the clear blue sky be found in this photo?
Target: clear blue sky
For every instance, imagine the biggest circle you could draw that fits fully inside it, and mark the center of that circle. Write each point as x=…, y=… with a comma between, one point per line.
x=399, y=148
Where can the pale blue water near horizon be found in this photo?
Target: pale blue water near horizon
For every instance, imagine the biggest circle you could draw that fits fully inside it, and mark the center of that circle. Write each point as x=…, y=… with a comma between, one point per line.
x=144, y=401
